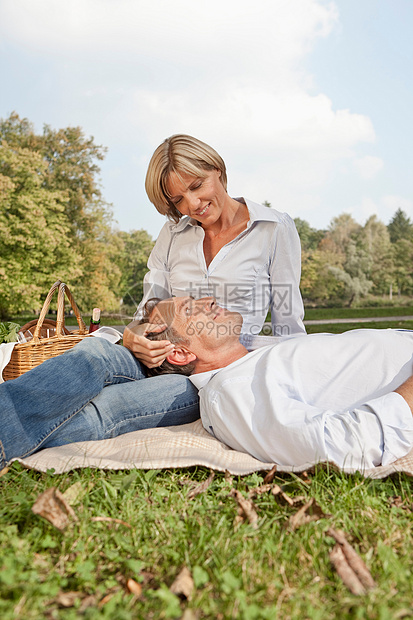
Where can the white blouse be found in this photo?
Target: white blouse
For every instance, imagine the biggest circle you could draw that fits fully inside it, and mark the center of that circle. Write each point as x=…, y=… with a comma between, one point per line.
x=258, y=270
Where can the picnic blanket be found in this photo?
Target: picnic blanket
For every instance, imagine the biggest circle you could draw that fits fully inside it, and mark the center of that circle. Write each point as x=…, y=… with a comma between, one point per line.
x=169, y=447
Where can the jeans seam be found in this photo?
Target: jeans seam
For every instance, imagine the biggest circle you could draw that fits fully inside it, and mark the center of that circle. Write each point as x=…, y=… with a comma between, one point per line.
x=3, y=454
x=31, y=450
x=120, y=377
x=163, y=412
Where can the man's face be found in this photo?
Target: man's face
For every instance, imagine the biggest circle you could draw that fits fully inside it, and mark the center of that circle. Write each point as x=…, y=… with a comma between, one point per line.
x=205, y=325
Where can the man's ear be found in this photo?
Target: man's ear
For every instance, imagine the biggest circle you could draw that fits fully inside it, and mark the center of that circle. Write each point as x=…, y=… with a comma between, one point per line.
x=180, y=356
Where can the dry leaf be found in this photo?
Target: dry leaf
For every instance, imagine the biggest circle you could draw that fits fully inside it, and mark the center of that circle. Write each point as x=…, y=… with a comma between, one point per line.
x=246, y=508
x=111, y=520
x=77, y=491
x=353, y=559
x=189, y=614
x=283, y=499
x=398, y=502
x=68, y=599
x=88, y=601
x=200, y=488
x=52, y=506
x=134, y=587
x=402, y=613
x=228, y=476
x=183, y=585
x=271, y=475
x=344, y=571
x=311, y=511
x=264, y=488
x=110, y=593
x=4, y=471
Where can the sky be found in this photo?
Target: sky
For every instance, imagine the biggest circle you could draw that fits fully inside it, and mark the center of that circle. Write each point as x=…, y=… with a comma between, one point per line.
x=309, y=102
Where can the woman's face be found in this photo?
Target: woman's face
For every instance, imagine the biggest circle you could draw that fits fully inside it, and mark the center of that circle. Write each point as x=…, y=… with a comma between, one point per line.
x=203, y=199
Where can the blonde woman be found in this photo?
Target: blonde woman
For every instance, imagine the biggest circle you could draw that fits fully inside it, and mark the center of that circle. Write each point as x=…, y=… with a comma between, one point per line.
x=244, y=254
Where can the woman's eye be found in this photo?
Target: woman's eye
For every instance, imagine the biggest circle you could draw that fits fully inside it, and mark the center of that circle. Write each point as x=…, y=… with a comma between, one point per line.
x=188, y=311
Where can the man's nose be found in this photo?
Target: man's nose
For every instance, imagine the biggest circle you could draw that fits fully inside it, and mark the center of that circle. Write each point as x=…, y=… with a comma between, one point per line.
x=206, y=303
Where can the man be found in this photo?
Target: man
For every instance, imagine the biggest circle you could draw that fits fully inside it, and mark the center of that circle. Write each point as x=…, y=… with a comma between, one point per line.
x=345, y=398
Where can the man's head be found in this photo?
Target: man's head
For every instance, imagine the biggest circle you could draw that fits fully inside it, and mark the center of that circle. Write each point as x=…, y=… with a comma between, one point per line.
x=206, y=336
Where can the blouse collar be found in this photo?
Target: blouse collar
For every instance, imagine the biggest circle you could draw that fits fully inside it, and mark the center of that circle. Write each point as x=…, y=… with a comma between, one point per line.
x=257, y=212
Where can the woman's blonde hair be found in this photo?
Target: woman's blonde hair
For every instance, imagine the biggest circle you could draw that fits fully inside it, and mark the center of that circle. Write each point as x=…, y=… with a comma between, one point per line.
x=180, y=154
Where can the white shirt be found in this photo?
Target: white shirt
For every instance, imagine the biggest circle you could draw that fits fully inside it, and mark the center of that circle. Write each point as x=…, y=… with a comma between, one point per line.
x=320, y=398
x=258, y=270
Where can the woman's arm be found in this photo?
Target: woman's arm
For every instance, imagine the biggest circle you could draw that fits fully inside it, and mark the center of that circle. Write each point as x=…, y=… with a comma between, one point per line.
x=151, y=353
x=287, y=308
x=156, y=282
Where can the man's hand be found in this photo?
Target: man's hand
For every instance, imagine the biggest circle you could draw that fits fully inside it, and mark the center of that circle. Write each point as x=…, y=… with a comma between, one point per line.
x=406, y=390
x=151, y=353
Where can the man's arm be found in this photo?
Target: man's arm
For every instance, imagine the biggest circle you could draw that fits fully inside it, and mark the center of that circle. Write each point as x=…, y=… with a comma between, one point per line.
x=406, y=390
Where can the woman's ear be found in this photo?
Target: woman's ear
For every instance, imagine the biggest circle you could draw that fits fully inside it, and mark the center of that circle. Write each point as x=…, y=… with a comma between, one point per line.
x=180, y=356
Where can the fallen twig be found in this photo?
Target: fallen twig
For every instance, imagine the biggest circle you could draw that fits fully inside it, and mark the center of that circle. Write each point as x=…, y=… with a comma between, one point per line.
x=353, y=559
x=246, y=508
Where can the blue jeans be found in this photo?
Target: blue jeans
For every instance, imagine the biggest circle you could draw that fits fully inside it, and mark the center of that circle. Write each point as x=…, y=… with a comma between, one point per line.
x=94, y=391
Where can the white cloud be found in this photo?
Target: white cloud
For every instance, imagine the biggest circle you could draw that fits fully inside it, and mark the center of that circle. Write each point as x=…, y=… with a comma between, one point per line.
x=369, y=166
x=275, y=30
x=393, y=203
x=384, y=207
x=232, y=73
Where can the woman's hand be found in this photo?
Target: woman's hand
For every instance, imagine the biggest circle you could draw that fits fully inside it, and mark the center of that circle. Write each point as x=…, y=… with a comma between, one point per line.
x=150, y=352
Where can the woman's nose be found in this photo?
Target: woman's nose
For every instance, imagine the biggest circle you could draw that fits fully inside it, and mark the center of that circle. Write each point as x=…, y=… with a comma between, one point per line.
x=192, y=201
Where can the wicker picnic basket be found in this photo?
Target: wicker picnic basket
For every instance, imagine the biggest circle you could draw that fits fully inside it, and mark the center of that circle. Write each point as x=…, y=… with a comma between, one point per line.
x=28, y=355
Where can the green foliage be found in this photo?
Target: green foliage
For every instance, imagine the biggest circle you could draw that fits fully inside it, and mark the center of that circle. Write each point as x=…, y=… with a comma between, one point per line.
x=309, y=237
x=349, y=262
x=131, y=256
x=54, y=223
x=35, y=248
x=53, y=220
x=8, y=332
x=400, y=227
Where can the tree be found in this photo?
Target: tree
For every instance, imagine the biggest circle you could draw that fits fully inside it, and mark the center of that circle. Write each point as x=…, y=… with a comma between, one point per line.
x=318, y=284
x=375, y=239
x=309, y=237
x=341, y=230
x=403, y=261
x=400, y=227
x=131, y=257
x=35, y=248
x=71, y=167
x=354, y=287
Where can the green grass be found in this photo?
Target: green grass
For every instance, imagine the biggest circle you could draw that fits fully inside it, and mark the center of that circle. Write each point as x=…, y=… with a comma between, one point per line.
x=338, y=328
x=239, y=572
x=351, y=313
x=71, y=320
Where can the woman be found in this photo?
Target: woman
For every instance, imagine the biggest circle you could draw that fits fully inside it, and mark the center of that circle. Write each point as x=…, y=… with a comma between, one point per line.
x=242, y=253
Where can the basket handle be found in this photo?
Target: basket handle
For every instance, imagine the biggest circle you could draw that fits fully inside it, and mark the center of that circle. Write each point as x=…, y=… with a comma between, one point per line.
x=60, y=310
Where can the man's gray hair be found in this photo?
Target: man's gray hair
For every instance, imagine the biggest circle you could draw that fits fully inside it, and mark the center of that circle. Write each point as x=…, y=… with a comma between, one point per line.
x=167, y=334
